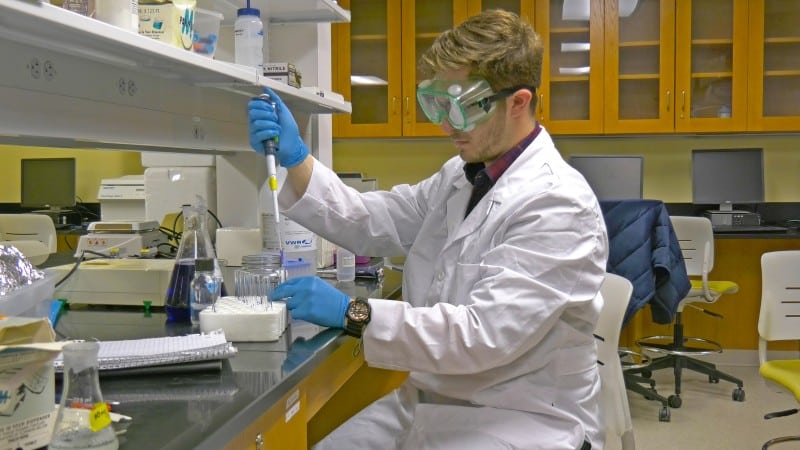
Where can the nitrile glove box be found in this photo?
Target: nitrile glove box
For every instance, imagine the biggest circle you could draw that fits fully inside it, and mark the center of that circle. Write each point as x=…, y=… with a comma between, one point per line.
x=27, y=382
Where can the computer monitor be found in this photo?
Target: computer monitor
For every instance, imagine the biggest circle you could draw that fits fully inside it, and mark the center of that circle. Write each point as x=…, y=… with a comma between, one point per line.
x=611, y=177
x=728, y=176
x=48, y=183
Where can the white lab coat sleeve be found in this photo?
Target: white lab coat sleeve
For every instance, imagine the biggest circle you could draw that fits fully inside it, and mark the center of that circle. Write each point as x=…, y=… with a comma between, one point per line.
x=379, y=223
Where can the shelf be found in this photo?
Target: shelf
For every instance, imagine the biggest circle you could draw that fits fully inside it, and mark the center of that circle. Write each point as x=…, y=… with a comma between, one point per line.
x=570, y=30
x=369, y=37
x=782, y=73
x=640, y=76
x=783, y=40
x=115, y=88
x=639, y=44
x=283, y=11
x=712, y=75
x=722, y=41
x=569, y=79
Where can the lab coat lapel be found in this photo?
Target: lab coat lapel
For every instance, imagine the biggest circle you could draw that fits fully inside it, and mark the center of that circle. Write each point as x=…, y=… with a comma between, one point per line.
x=457, y=204
x=477, y=216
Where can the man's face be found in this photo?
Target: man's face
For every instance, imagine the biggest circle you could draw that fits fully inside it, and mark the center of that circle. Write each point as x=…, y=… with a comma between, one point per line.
x=485, y=142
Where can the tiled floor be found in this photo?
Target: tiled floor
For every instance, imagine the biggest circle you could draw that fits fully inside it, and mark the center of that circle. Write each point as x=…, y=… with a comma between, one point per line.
x=709, y=418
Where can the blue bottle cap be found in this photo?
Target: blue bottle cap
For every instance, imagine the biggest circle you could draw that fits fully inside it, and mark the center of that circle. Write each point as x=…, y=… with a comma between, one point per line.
x=248, y=12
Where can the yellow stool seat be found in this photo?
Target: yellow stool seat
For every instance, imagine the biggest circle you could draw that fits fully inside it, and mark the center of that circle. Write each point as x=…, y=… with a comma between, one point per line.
x=716, y=287
x=784, y=372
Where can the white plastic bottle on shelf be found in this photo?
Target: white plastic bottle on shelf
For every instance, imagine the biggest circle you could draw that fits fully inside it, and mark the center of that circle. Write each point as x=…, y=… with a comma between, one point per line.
x=345, y=264
x=249, y=38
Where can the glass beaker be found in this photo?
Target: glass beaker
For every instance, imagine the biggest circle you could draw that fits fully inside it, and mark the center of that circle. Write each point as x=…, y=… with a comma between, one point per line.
x=195, y=243
x=83, y=421
x=260, y=274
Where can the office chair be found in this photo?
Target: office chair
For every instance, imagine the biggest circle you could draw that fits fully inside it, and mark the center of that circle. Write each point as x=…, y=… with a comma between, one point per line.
x=34, y=235
x=779, y=320
x=616, y=292
x=696, y=240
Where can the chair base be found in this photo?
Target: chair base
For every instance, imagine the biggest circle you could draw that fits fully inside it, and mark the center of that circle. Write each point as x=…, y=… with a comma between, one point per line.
x=680, y=362
x=634, y=383
x=779, y=440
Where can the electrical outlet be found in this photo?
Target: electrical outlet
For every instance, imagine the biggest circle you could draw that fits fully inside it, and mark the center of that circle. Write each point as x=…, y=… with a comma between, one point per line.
x=132, y=88
x=122, y=86
x=49, y=70
x=34, y=68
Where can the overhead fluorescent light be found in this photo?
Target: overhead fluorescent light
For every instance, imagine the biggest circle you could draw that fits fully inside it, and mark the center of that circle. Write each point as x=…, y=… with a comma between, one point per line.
x=574, y=70
x=567, y=47
x=367, y=80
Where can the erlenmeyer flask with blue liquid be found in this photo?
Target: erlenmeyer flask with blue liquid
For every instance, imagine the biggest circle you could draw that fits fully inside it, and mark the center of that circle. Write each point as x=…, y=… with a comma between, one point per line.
x=195, y=243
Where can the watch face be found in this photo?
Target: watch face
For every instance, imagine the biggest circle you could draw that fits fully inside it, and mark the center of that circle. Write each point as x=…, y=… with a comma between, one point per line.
x=358, y=311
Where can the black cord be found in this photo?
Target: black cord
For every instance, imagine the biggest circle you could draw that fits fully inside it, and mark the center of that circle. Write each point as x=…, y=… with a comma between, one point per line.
x=78, y=262
x=215, y=218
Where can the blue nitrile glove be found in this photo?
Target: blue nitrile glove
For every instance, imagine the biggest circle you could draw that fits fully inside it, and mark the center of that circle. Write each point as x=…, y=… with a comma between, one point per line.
x=314, y=300
x=266, y=123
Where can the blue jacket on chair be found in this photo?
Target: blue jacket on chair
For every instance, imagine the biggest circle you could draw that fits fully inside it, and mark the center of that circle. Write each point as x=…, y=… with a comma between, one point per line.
x=644, y=249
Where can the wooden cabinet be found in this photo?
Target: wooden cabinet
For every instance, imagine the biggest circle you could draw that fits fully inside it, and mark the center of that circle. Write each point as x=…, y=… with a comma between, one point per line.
x=376, y=55
x=571, y=96
x=774, y=65
x=675, y=66
x=376, y=64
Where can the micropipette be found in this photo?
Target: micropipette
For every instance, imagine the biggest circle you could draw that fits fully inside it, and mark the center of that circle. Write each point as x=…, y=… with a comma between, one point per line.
x=270, y=148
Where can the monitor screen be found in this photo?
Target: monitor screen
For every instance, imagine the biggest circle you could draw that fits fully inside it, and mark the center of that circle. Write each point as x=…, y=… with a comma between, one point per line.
x=729, y=176
x=611, y=177
x=48, y=183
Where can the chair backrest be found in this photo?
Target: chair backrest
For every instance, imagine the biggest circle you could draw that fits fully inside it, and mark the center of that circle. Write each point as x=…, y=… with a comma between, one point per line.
x=33, y=234
x=779, y=317
x=616, y=292
x=696, y=238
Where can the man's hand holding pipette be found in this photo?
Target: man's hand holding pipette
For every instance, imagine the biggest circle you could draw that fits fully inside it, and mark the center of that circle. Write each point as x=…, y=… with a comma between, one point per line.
x=267, y=122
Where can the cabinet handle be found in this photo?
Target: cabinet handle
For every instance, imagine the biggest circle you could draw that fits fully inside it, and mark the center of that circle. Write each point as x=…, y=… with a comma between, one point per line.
x=394, y=105
x=541, y=107
x=669, y=94
x=408, y=110
x=683, y=103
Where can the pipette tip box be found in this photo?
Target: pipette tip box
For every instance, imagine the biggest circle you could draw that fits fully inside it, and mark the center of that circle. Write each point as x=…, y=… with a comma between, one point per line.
x=245, y=322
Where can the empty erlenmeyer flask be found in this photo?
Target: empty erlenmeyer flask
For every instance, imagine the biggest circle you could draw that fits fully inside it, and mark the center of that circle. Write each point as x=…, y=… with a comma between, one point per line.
x=195, y=243
x=83, y=421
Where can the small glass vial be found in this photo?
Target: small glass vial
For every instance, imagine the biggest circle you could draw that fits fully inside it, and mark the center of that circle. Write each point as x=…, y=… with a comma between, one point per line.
x=345, y=265
x=205, y=288
x=83, y=421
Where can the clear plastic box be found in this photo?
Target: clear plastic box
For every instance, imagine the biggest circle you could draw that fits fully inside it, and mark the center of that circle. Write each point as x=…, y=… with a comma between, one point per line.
x=31, y=300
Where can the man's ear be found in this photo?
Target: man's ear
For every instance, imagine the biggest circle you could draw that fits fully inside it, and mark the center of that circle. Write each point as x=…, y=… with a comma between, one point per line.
x=519, y=102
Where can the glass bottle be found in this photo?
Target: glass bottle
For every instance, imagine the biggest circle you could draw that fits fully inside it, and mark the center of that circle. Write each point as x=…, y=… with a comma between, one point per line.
x=83, y=421
x=205, y=288
x=195, y=243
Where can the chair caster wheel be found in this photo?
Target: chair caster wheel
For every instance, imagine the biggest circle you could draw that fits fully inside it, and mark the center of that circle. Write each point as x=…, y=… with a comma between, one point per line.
x=664, y=414
x=674, y=401
x=647, y=373
x=713, y=379
x=738, y=395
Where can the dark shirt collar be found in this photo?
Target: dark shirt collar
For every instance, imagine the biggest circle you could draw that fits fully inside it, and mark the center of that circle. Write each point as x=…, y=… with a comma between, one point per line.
x=478, y=174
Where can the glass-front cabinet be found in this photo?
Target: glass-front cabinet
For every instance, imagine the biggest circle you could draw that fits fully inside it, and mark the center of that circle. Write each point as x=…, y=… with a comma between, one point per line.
x=774, y=71
x=639, y=66
x=711, y=40
x=570, y=100
x=376, y=64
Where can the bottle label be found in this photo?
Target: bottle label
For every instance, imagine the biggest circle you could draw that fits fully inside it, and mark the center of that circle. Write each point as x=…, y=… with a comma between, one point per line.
x=99, y=417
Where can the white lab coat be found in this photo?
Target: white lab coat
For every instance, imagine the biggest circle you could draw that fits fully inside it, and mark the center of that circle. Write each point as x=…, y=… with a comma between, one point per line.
x=499, y=307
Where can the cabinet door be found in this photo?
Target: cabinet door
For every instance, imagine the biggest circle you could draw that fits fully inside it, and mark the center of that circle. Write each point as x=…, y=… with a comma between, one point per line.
x=639, y=63
x=522, y=7
x=774, y=74
x=367, y=69
x=423, y=22
x=711, y=65
x=571, y=95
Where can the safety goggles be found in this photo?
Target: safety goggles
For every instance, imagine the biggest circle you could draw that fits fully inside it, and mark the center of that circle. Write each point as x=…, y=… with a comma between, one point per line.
x=463, y=103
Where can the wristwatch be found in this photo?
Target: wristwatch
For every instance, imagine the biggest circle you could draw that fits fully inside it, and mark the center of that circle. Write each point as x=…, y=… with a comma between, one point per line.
x=357, y=317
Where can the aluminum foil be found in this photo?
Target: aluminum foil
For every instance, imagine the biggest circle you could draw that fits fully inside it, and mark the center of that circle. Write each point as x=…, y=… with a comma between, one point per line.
x=15, y=270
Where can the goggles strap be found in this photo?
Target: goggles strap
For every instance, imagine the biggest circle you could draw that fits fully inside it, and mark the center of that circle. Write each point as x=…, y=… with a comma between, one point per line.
x=486, y=102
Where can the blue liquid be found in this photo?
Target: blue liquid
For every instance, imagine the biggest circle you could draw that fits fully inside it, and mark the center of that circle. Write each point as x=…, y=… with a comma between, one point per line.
x=179, y=292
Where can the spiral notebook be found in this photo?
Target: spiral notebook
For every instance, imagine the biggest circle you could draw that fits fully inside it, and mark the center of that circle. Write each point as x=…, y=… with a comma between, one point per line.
x=160, y=351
